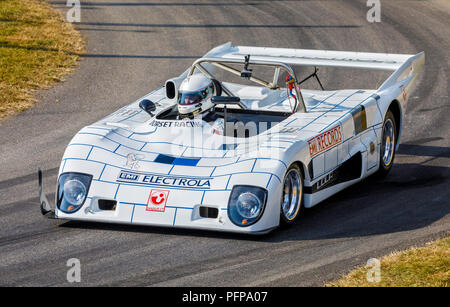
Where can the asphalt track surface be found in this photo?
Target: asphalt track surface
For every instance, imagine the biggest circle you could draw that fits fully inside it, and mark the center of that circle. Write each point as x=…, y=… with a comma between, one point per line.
x=133, y=47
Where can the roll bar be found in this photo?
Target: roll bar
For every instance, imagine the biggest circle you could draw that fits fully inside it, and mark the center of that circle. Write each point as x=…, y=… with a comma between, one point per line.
x=221, y=63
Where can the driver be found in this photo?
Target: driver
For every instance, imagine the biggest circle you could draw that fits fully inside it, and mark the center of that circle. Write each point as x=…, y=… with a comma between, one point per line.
x=194, y=99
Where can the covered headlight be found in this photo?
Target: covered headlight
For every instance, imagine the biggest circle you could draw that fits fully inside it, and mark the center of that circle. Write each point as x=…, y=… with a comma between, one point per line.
x=72, y=191
x=246, y=204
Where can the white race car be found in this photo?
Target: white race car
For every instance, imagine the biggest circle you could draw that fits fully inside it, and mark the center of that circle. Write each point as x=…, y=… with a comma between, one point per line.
x=270, y=149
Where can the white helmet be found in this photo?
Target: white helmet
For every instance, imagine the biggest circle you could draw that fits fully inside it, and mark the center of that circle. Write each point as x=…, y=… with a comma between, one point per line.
x=195, y=94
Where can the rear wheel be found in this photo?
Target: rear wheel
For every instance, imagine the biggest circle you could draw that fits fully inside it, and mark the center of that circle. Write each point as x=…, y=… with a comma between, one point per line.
x=388, y=143
x=292, y=196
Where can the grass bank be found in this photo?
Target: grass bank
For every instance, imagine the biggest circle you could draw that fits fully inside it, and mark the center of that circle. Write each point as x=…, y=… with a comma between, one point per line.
x=37, y=48
x=428, y=266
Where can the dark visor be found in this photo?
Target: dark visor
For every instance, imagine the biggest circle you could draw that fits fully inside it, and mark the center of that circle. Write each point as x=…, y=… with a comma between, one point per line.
x=192, y=97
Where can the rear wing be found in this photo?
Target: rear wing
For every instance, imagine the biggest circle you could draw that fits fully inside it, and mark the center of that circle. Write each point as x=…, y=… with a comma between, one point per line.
x=403, y=65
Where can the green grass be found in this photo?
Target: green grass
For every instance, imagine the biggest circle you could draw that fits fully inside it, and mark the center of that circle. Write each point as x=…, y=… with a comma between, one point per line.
x=427, y=266
x=37, y=48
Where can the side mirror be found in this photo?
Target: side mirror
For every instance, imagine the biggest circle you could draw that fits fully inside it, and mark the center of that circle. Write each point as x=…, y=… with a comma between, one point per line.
x=225, y=100
x=148, y=106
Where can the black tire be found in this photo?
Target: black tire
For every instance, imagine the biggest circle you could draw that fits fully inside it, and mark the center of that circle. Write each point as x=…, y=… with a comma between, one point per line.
x=292, y=184
x=388, y=144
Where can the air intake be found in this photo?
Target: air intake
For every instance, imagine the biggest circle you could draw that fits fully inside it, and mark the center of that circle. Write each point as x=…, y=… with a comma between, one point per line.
x=208, y=212
x=107, y=205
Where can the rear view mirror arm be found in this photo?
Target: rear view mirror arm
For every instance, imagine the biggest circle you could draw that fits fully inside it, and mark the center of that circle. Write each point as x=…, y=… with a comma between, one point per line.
x=314, y=74
x=225, y=101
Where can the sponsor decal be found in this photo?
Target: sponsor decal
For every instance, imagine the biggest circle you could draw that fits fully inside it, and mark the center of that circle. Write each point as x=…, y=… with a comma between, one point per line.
x=176, y=123
x=133, y=160
x=325, y=181
x=164, y=180
x=372, y=148
x=359, y=119
x=157, y=200
x=289, y=130
x=126, y=112
x=404, y=94
x=325, y=140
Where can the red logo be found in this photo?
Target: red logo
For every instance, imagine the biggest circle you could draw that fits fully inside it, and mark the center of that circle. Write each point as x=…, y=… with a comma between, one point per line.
x=157, y=200
x=325, y=140
x=403, y=93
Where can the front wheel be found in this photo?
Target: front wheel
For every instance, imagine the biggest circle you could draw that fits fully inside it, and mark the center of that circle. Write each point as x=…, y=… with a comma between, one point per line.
x=292, y=196
x=388, y=143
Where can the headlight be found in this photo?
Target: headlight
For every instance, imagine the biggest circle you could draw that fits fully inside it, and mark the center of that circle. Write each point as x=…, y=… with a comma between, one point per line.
x=246, y=204
x=72, y=191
